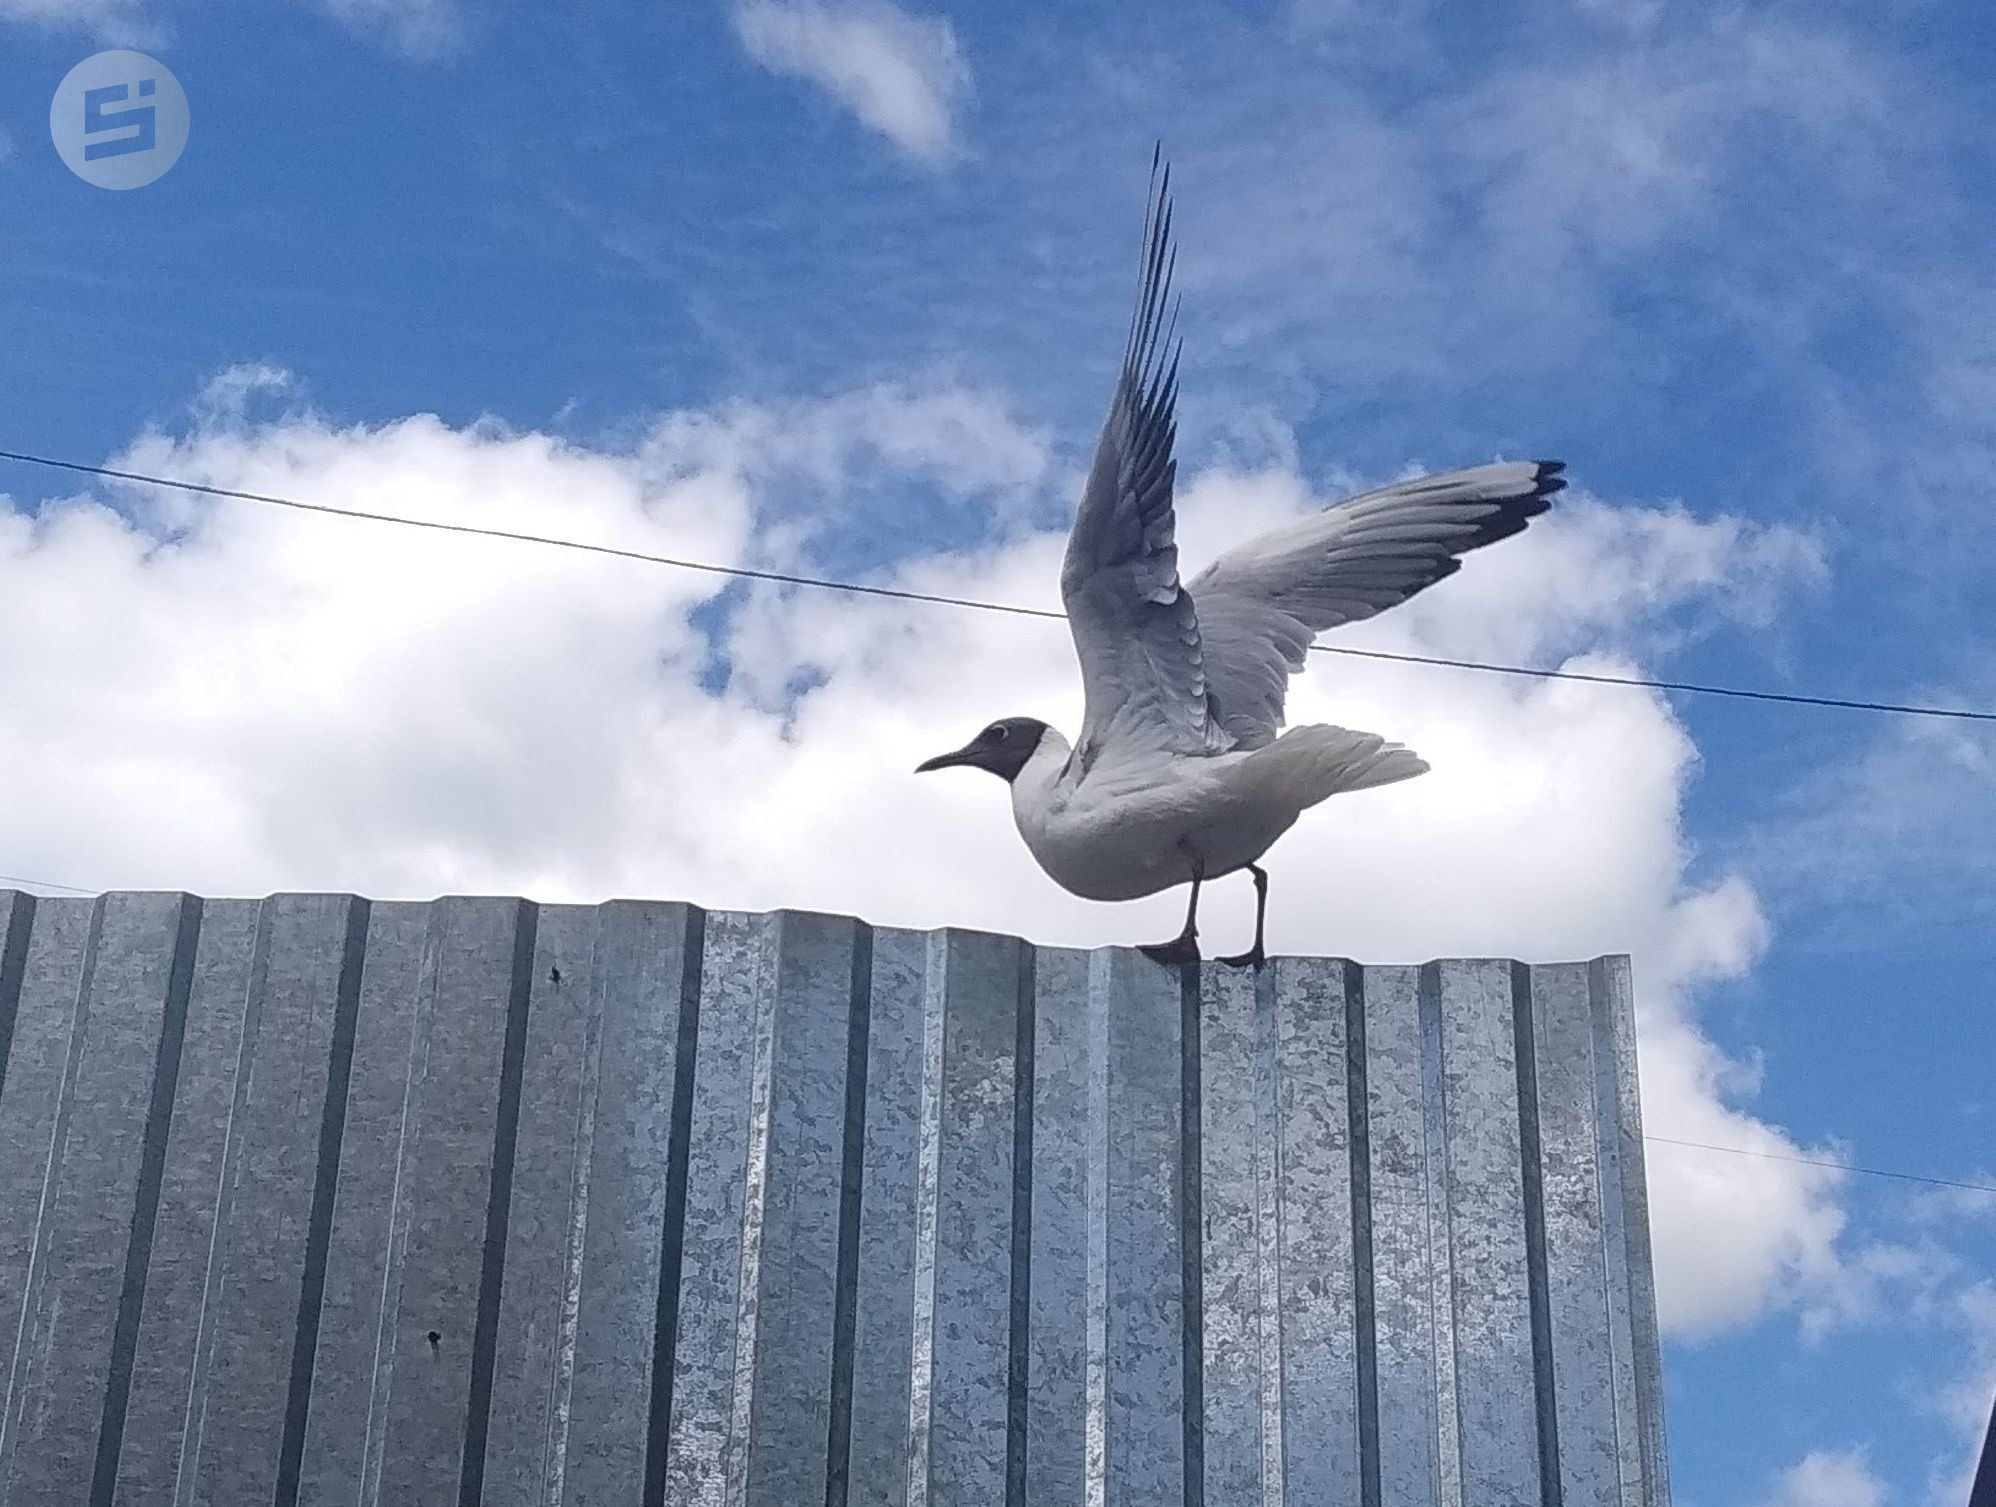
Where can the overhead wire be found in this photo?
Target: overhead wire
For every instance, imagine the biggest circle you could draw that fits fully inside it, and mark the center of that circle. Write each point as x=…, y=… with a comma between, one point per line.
x=903, y=594
x=857, y=588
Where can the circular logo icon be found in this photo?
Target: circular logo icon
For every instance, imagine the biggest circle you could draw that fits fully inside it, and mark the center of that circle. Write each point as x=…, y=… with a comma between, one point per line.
x=119, y=119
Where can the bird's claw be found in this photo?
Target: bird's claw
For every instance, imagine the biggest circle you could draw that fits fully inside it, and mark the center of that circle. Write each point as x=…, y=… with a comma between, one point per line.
x=1254, y=957
x=1182, y=949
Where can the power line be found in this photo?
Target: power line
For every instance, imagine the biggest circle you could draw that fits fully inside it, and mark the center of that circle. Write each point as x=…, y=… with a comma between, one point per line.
x=44, y=884
x=1812, y=1161
x=855, y=588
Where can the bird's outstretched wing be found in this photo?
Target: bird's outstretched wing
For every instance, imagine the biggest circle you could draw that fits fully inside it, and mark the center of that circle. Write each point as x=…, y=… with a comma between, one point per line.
x=1260, y=604
x=1135, y=629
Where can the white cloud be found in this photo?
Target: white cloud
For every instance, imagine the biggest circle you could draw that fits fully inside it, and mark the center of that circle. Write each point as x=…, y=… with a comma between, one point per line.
x=1362, y=34
x=121, y=22
x=964, y=440
x=1940, y=1205
x=1612, y=153
x=236, y=699
x=1964, y=1399
x=1494, y=223
x=903, y=75
x=1829, y=1478
x=418, y=28
x=1904, y=830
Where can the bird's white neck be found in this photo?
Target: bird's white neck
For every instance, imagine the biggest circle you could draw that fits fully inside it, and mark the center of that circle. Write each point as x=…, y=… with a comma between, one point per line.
x=1035, y=788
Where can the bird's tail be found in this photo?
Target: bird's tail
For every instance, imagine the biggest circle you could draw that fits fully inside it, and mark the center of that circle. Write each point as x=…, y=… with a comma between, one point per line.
x=1309, y=764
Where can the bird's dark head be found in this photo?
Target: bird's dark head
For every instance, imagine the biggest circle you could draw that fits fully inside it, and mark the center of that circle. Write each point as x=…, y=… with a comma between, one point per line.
x=1003, y=748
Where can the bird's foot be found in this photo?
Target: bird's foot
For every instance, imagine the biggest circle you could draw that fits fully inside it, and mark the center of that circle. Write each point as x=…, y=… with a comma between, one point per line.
x=1254, y=957
x=1180, y=949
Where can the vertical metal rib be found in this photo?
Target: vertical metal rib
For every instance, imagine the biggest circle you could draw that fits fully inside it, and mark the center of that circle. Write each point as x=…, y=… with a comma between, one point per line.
x=852, y=1177
x=884, y=1309
x=536, y=1341
x=737, y=997
x=1441, y=1259
x=568, y=1337
x=1358, y=1101
x=498, y=1208
x=1537, y=1272
x=1492, y=1376
x=1626, y=1210
x=246, y=1016
x=422, y=1014
x=1019, y=1348
x=35, y=1277
x=145, y=1213
x=1191, y=1207
x=928, y=1168
x=1234, y=1109
x=1057, y=1404
x=1095, y=1480
x=1269, y=1187
x=13, y=967
x=319, y=1229
x=970, y=1402
x=679, y=1139
x=1592, y=1377
x=755, y=1202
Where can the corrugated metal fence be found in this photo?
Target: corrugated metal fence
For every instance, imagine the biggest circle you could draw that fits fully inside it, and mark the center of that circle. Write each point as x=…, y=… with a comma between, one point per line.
x=312, y=1200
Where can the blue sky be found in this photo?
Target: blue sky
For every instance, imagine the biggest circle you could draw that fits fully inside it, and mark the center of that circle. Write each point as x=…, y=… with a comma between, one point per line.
x=842, y=285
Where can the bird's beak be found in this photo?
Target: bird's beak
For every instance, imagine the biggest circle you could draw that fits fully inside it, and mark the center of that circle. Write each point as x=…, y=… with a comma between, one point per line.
x=945, y=761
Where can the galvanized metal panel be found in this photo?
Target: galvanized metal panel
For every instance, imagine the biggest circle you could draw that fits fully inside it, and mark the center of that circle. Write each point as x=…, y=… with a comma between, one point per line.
x=644, y=992
x=45, y=976
x=171, y=1364
x=903, y=1008
x=100, y=1205
x=1312, y=1400
x=821, y=982
x=306, y=1200
x=1062, y=1416
x=1413, y=1338
x=353, y=1352
x=532, y=1376
x=986, y=986
x=1140, y=1304
x=246, y=1403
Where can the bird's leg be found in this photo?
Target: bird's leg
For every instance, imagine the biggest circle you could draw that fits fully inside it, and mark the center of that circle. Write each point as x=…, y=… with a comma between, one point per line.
x=1183, y=948
x=1254, y=957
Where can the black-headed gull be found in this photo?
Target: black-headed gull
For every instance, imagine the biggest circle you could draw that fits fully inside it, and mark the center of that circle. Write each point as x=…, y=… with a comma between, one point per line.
x=1181, y=774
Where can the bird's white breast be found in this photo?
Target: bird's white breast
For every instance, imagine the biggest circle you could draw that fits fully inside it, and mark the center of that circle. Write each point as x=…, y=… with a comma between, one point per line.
x=1123, y=831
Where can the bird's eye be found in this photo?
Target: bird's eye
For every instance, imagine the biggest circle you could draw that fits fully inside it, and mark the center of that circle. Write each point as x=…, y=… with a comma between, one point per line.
x=992, y=734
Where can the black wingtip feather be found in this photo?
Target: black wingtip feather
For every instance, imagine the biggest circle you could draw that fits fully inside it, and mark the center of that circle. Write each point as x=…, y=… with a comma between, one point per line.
x=1514, y=513
x=1150, y=355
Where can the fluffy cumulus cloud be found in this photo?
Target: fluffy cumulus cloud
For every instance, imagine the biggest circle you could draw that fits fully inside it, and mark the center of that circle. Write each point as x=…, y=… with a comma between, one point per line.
x=1829, y=1478
x=234, y=699
x=902, y=74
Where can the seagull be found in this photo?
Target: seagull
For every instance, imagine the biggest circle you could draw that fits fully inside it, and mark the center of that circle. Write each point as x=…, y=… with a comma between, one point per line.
x=1182, y=772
